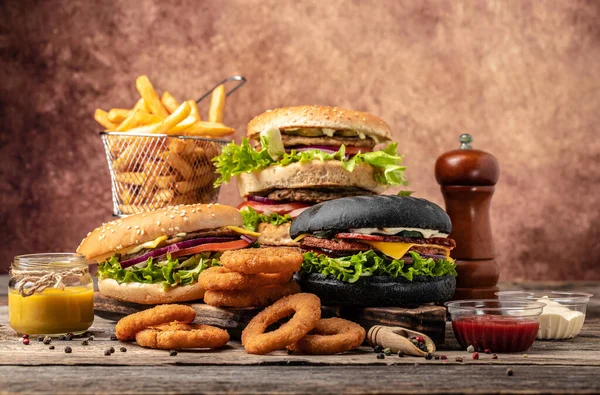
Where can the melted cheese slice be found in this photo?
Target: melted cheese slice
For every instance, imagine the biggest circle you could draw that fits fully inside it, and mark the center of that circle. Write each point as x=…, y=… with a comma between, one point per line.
x=398, y=250
x=242, y=231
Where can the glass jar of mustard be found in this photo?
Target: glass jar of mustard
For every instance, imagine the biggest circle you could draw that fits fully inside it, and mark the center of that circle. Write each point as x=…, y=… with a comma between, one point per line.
x=50, y=294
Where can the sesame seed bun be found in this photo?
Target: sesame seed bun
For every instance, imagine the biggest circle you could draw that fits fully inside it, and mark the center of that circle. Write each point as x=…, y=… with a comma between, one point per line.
x=136, y=229
x=317, y=174
x=149, y=293
x=321, y=117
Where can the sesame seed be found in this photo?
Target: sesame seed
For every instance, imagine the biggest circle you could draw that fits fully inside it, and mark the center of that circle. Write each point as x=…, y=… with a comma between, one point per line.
x=170, y=229
x=129, y=227
x=137, y=227
x=163, y=230
x=158, y=223
x=170, y=216
x=185, y=218
x=136, y=240
x=177, y=228
x=213, y=214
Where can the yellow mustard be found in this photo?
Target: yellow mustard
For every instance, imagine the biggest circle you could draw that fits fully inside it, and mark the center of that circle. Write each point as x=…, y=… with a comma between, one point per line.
x=50, y=294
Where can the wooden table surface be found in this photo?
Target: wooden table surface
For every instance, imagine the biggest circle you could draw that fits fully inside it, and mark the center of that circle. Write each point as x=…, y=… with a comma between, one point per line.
x=571, y=366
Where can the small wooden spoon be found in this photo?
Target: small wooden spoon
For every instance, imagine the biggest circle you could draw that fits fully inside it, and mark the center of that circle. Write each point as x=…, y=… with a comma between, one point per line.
x=396, y=339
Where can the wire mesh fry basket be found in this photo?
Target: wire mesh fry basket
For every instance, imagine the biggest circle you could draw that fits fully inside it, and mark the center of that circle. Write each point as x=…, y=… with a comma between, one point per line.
x=150, y=171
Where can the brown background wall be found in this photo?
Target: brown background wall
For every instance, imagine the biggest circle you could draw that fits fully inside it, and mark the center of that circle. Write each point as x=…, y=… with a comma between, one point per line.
x=522, y=76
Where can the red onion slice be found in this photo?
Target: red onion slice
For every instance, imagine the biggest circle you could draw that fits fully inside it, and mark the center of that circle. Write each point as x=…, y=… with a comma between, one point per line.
x=261, y=199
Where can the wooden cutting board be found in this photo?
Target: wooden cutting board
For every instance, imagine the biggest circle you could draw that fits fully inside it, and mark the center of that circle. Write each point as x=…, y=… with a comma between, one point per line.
x=430, y=320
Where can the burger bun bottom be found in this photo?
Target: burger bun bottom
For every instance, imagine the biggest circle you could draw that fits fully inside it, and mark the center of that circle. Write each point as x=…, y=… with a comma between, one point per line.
x=379, y=291
x=149, y=293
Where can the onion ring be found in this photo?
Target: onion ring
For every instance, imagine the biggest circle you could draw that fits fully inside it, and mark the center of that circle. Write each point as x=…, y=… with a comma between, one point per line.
x=306, y=310
x=219, y=278
x=258, y=297
x=263, y=260
x=127, y=327
x=330, y=336
x=177, y=335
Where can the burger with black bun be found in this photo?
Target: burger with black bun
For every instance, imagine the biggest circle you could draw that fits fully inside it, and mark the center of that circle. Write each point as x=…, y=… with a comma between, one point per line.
x=155, y=257
x=376, y=251
x=296, y=157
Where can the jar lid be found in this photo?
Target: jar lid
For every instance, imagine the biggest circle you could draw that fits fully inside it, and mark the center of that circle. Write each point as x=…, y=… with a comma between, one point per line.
x=467, y=166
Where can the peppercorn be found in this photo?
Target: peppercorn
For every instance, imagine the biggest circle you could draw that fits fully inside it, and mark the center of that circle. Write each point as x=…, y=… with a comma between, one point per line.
x=443, y=357
x=436, y=357
x=113, y=337
x=112, y=350
x=290, y=352
x=107, y=352
x=509, y=372
x=47, y=340
x=123, y=349
x=40, y=338
x=378, y=349
x=479, y=349
x=470, y=349
x=428, y=356
x=84, y=343
x=420, y=339
x=475, y=355
x=91, y=338
x=401, y=354
x=25, y=336
x=26, y=341
x=494, y=356
x=387, y=351
x=172, y=353
x=51, y=348
x=459, y=359
x=62, y=337
x=380, y=355
x=69, y=337
x=487, y=351
x=68, y=350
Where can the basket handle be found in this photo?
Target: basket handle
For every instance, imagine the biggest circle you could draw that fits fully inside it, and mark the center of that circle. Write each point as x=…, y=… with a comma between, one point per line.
x=241, y=80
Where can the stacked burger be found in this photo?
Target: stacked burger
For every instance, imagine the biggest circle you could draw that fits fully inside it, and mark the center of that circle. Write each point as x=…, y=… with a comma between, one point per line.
x=296, y=157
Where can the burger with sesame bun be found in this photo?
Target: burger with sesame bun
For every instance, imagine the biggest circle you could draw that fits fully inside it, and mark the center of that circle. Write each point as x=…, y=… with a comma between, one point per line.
x=296, y=157
x=156, y=257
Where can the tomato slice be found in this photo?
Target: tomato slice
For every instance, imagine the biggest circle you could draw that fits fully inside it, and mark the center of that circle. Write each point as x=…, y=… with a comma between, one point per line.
x=359, y=236
x=228, y=245
x=297, y=212
x=282, y=208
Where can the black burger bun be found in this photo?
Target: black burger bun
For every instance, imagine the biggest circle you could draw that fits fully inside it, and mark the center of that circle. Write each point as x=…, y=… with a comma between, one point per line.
x=383, y=211
x=378, y=290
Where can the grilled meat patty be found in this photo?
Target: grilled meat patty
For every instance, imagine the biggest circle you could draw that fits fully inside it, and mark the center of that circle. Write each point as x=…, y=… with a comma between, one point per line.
x=315, y=195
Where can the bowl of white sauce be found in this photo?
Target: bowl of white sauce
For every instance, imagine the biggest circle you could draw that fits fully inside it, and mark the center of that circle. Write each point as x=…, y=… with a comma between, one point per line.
x=563, y=315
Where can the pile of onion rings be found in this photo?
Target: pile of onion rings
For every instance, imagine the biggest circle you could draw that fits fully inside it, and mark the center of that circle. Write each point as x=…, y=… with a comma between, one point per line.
x=258, y=297
x=305, y=332
x=175, y=335
x=330, y=336
x=219, y=278
x=252, y=277
x=169, y=327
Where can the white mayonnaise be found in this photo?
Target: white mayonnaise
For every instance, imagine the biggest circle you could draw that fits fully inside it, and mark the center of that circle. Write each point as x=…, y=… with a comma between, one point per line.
x=558, y=321
x=427, y=233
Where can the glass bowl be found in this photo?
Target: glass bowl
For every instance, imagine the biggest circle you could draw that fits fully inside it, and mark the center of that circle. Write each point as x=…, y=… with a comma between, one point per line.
x=563, y=315
x=495, y=325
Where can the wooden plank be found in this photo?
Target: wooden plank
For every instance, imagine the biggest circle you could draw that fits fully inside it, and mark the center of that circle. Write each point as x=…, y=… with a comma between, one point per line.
x=301, y=379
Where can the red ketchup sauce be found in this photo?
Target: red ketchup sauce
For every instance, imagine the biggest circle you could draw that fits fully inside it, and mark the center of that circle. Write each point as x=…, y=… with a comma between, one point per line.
x=499, y=334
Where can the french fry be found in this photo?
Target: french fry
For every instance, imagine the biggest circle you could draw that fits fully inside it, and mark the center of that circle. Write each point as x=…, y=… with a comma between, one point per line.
x=194, y=113
x=132, y=178
x=140, y=106
x=179, y=164
x=138, y=118
x=165, y=182
x=189, y=198
x=181, y=146
x=169, y=122
x=210, y=129
x=128, y=208
x=147, y=92
x=163, y=195
x=158, y=168
x=217, y=104
x=169, y=102
x=183, y=125
x=101, y=117
x=118, y=115
x=124, y=195
x=125, y=161
x=145, y=191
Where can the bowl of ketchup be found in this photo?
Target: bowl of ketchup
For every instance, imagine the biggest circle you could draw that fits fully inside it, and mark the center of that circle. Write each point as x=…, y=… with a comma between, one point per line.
x=498, y=325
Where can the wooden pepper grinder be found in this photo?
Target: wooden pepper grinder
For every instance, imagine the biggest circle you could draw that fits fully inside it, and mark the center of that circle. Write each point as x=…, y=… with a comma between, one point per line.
x=467, y=177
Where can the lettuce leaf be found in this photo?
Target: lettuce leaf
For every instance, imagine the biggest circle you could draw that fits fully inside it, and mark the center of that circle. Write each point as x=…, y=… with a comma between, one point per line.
x=252, y=218
x=170, y=272
x=237, y=159
x=351, y=268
